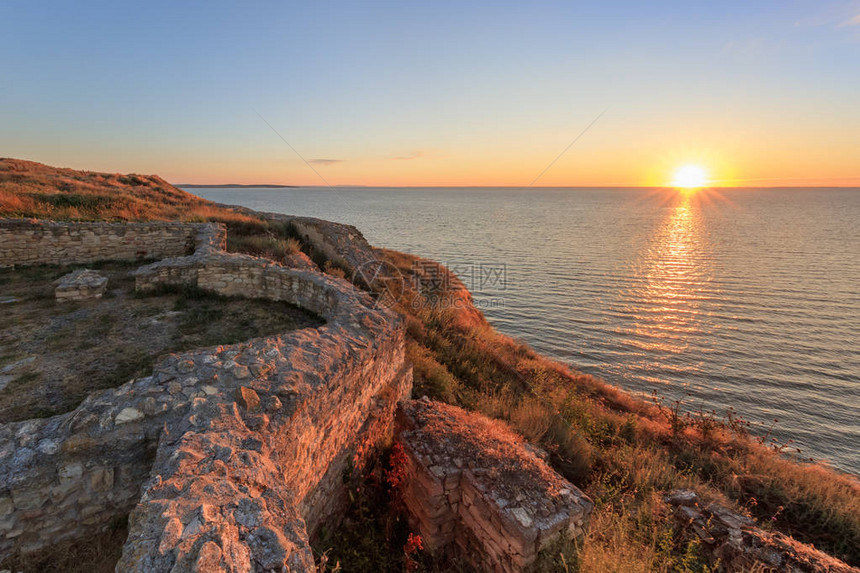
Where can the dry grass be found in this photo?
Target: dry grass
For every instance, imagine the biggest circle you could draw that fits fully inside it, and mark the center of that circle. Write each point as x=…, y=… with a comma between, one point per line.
x=269, y=246
x=29, y=189
x=33, y=190
x=624, y=452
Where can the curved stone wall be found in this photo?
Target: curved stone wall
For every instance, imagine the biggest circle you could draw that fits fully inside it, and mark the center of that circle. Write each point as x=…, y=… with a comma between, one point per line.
x=230, y=456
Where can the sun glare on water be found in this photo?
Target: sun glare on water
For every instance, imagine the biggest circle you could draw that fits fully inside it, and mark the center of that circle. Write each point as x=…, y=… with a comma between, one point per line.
x=690, y=177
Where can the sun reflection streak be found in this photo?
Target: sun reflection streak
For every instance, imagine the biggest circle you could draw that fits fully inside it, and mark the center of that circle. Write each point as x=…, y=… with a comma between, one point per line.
x=672, y=282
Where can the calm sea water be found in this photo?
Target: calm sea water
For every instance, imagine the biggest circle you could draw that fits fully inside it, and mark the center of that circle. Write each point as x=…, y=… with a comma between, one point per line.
x=743, y=298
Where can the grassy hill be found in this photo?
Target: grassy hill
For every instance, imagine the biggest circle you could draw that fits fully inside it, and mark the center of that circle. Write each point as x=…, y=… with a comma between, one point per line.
x=29, y=189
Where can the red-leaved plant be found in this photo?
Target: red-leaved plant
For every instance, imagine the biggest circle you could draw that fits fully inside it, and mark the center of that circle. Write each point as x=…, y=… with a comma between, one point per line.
x=397, y=462
x=412, y=546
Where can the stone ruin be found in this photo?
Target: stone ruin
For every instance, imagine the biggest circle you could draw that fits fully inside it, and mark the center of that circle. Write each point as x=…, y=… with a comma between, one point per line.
x=82, y=284
x=241, y=446
x=230, y=458
x=475, y=488
x=739, y=544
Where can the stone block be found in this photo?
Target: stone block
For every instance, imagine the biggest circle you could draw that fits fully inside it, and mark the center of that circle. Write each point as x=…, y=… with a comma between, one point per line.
x=80, y=285
x=128, y=415
x=6, y=506
x=70, y=472
x=29, y=498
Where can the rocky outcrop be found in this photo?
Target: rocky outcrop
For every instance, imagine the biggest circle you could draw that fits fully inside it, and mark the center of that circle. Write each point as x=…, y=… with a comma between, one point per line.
x=738, y=544
x=473, y=487
x=299, y=261
x=28, y=242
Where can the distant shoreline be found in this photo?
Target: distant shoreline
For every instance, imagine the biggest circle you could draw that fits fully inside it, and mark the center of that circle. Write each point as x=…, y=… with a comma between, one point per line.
x=231, y=186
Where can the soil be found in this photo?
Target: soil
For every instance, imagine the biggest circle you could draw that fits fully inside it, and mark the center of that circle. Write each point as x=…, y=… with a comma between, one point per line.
x=52, y=355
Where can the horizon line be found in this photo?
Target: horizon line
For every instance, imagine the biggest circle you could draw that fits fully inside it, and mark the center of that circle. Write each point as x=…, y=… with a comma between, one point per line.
x=349, y=185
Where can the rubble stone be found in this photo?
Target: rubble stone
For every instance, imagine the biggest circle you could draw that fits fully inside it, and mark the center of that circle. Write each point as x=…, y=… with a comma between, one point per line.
x=736, y=541
x=247, y=398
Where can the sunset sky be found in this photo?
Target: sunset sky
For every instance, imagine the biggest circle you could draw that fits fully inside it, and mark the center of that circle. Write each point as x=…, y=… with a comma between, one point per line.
x=447, y=93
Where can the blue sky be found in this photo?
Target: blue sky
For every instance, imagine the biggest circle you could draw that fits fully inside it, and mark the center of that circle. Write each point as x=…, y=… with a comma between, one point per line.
x=439, y=93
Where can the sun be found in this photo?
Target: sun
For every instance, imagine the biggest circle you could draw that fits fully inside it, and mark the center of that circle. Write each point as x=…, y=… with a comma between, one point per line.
x=690, y=177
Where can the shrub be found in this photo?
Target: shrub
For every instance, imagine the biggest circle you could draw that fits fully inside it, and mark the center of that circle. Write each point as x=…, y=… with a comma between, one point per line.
x=266, y=245
x=572, y=453
x=430, y=378
x=292, y=246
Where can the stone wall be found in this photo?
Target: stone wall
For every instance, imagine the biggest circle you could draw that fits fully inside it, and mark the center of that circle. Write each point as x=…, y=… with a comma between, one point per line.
x=474, y=488
x=240, y=474
x=239, y=451
x=246, y=276
x=28, y=242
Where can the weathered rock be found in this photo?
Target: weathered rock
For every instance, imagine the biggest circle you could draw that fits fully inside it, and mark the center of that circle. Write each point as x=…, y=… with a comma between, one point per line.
x=682, y=497
x=300, y=261
x=17, y=364
x=128, y=415
x=247, y=398
x=337, y=242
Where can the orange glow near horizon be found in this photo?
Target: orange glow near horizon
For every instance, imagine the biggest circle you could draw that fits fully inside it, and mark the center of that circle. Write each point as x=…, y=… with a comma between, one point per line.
x=496, y=166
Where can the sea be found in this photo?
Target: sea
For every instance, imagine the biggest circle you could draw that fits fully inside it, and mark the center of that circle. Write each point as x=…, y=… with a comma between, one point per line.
x=741, y=298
